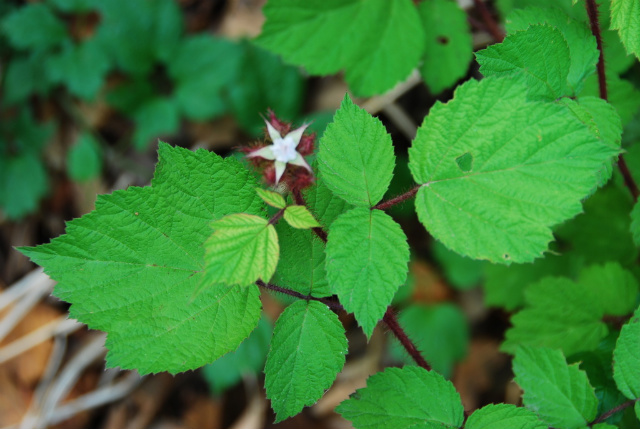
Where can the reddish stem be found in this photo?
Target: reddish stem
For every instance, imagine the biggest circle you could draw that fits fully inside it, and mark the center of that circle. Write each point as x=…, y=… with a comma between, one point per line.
x=392, y=322
x=491, y=24
x=331, y=304
x=276, y=217
x=397, y=200
x=594, y=22
x=299, y=199
x=611, y=412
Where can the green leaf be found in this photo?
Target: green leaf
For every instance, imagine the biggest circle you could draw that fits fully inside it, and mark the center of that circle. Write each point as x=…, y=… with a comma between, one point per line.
x=583, y=51
x=622, y=94
x=440, y=332
x=23, y=182
x=132, y=266
x=202, y=67
x=448, y=44
x=302, y=262
x=24, y=76
x=558, y=315
x=624, y=18
x=139, y=33
x=604, y=426
x=356, y=157
x=84, y=159
x=367, y=256
x=308, y=350
x=461, y=272
x=82, y=68
x=327, y=36
x=299, y=217
x=403, y=398
x=505, y=284
x=530, y=165
x=635, y=223
x=626, y=358
x=538, y=56
x=613, y=288
x=274, y=199
x=33, y=27
x=74, y=6
x=242, y=249
x=324, y=205
x=159, y=116
x=498, y=416
x=249, y=358
x=264, y=82
x=559, y=393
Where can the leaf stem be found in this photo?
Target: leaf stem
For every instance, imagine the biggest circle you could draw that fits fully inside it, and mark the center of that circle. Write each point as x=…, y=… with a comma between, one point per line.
x=331, y=304
x=612, y=411
x=299, y=199
x=392, y=322
x=491, y=24
x=276, y=217
x=397, y=200
x=594, y=22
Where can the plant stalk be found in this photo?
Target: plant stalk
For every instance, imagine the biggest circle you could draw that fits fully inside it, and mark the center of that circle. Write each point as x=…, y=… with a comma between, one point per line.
x=491, y=24
x=392, y=322
x=399, y=199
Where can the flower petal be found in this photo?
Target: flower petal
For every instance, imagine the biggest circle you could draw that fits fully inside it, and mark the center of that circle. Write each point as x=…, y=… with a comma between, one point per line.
x=265, y=152
x=273, y=133
x=280, y=166
x=300, y=162
x=296, y=134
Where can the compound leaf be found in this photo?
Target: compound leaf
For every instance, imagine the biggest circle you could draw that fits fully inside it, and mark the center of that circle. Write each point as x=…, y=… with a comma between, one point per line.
x=356, y=157
x=625, y=17
x=559, y=393
x=497, y=416
x=308, y=350
x=498, y=171
x=242, y=249
x=539, y=56
x=626, y=358
x=404, y=398
x=132, y=266
x=299, y=217
x=367, y=256
x=327, y=36
x=558, y=315
x=448, y=46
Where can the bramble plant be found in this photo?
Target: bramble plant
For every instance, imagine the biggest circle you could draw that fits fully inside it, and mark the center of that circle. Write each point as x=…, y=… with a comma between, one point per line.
x=173, y=272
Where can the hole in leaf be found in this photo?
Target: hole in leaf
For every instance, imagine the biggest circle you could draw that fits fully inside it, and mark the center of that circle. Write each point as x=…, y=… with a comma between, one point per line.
x=506, y=256
x=465, y=162
x=442, y=40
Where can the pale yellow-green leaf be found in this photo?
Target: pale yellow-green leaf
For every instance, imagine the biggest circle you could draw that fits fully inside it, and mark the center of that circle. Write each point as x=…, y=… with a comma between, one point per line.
x=274, y=199
x=299, y=217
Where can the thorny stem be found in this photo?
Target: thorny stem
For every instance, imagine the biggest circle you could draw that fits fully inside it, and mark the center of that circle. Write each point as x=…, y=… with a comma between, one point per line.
x=592, y=11
x=389, y=318
x=276, y=217
x=491, y=24
x=612, y=411
x=397, y=200
x=331, y=304
x=392, y=322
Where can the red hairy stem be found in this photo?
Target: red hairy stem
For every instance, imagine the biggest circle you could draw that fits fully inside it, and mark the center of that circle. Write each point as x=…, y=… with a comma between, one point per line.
x=331, y=304
x=392, y=322
x=299, y=199
x=491, y=24
x=594, y=22
x=612, y=411
x=276, y=217
x=397, y=200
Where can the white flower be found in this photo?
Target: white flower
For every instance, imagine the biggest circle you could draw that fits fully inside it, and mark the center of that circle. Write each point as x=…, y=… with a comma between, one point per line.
x=283, y=150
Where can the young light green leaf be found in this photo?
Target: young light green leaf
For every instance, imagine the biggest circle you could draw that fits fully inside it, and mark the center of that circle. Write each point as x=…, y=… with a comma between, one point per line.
x=635, y=223
x=558, y=315
x=559, y=393
x=626, y=358
x=302, y=262
x=308, y=350
x=33, y=26
x=404, y=398
x=613, y=288
x=624, y=18
x=498, y=171
x=539, y=56
x=448, y=44
x=498, y=416
x=84, y=159
x=130, y=268
x=242, y=249
x=326, y=36
x=427, y=326
x=299, y=217
x=367, y=256
x=356, y=157
x=201, y=68
x=274, y=199
x=583, y=51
